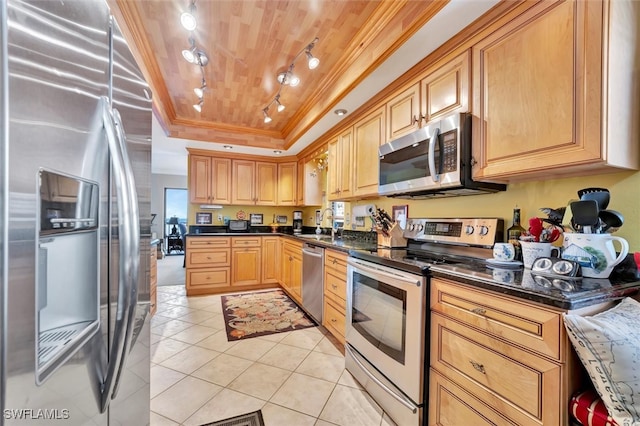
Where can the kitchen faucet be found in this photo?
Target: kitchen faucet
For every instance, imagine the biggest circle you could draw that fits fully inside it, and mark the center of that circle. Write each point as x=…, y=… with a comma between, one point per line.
x=333, y=231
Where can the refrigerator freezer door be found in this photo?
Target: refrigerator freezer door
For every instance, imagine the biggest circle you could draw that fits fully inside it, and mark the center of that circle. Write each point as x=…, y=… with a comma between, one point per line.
x=131, y=101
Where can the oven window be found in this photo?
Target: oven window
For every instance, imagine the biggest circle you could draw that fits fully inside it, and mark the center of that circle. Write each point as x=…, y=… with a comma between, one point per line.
x=379, y=314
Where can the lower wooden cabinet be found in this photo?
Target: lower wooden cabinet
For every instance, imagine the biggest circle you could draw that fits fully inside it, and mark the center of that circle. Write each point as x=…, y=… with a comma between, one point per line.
x=153, y=280
x=270, y=260
x=335, y=293
x=246, y=264
x=208, y=264
x=497, y=359
x=291, y=269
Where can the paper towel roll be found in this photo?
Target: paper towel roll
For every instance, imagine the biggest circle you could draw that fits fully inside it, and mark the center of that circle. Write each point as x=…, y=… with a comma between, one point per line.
x=364, y=210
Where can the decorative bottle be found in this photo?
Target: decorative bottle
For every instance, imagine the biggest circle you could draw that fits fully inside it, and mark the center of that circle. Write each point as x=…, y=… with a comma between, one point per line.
x=514, y=232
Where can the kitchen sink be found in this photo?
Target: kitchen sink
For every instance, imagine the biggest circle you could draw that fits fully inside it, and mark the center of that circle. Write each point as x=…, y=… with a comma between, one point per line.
x=321, y=237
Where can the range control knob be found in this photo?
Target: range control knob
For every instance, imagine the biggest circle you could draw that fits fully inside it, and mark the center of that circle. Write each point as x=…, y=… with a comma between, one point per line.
x=420, y=227
x=468, y=229
x=411, y=226
x=484, y=230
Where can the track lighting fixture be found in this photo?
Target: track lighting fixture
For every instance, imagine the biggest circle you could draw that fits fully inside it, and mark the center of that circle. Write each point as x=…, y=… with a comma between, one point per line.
x=267, y=119
x=199, y=91
x=288, y=78
x=188, y=19
x=198, y=106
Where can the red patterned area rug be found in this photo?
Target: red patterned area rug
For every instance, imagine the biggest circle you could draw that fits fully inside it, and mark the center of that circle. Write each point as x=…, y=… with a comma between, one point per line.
x=261, y=313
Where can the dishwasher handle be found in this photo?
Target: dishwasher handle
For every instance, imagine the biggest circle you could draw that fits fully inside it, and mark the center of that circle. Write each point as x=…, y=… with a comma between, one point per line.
x=311, y=253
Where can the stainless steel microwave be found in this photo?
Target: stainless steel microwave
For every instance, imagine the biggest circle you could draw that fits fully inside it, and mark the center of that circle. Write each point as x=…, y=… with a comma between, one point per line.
x=432, y=162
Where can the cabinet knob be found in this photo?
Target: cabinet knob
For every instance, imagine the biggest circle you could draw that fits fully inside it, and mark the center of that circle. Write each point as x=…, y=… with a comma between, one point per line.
x=290, y=258
x=334, y=320
x=479, y=311
x=473, y=161
x=334, y=261
x=335, y=287
x=479, y=367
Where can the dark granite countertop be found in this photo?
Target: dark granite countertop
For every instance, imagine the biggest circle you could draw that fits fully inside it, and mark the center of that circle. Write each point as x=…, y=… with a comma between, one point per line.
x=557, y=292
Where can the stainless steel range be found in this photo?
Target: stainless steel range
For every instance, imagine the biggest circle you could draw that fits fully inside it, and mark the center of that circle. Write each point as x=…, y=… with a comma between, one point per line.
x=387, y=309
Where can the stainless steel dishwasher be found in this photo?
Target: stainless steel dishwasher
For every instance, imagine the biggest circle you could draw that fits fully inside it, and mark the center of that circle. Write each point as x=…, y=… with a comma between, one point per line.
x=313, y=280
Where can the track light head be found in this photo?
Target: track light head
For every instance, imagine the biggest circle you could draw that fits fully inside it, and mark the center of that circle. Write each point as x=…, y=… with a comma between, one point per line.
x=198, y=106
x=312, y=60
x=267, y=119
x=199, y=91
x=280, y=107
x=188, y=19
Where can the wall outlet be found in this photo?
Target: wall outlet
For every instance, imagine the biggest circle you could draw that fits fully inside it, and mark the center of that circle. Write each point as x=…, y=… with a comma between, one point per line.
x=219, y=218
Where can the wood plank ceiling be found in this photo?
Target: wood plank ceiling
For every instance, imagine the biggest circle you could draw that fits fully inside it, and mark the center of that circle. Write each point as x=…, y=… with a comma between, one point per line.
x=248, y=43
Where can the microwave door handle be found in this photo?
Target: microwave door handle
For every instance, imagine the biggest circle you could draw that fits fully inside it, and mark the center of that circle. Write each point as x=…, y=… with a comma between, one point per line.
x=116, y=351
x=435, y=175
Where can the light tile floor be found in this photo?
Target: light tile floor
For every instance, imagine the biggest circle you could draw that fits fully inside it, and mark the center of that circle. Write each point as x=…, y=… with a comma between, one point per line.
x=296, y=378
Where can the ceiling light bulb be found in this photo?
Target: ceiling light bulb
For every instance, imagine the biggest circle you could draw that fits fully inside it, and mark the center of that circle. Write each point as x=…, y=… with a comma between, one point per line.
x=277, y=152
x=293, y=80
x=280, y=106
x=199, y=91
x=188, y=21
x=340, y=111
x=267, y=119
x=198, y=106
x=313, y=61
x=189, y=55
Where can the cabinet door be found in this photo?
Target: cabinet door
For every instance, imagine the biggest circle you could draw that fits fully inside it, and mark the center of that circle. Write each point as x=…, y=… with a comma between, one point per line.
x=368, y=136
x=300, y=183
x=220, y=182
x=199, y=179
x=270, y=259
x=266, y=184
x=296, y=275
x=403, y=113
x=243, y=178
x=245, y=266
x=285, y=268
x=287, y=184
x=446, y=89
x=346, y=155
x=537, y=92
x=333, y=172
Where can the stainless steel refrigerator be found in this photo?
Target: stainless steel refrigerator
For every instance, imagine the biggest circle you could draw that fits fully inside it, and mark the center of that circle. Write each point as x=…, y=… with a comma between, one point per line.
x=75, y=156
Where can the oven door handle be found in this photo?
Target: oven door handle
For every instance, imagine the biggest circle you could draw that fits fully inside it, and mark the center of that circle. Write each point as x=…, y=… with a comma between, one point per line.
x=378, y=271
x=377, y=381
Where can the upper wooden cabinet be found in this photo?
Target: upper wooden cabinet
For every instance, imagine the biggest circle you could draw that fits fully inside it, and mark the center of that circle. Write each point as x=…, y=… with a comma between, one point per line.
x=556, y=92
x=368, y=135
x=340, y=171
x=309, y=184
x=444, y=89
x=287, y=184
x=255, y=183
x=209, y=179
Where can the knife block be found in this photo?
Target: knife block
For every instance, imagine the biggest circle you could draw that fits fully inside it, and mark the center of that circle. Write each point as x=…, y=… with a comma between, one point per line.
x=394, y=239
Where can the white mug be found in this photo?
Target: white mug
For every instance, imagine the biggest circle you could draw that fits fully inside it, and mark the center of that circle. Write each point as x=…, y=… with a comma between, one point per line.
x=594, y=252
x=532, y=250
x=504, y=252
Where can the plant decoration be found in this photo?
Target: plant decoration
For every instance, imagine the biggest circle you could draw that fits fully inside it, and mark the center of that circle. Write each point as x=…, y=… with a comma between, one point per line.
x=540, y=233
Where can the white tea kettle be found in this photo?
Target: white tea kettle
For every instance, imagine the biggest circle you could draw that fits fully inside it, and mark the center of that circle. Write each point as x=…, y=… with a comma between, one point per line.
x=594, y=252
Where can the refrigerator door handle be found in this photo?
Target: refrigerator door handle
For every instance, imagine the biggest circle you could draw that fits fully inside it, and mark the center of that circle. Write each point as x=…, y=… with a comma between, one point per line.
x=129, y=253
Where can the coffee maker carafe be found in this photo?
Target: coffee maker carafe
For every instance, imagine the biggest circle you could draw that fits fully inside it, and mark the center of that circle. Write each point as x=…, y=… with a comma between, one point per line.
x=297, y=222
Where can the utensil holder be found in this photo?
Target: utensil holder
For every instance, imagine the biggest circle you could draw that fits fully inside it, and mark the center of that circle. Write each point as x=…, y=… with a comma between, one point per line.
x=393, y=239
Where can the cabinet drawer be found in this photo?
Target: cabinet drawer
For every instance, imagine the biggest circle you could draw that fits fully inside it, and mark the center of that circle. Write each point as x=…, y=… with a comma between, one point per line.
x=449, y=405
x=336, y=288
x=208, y=258
x=334, y=320
x=246, y=241
x=519, y=384
x=336, y=261
x=214, y=277
x=523, y=324
x=206, y=242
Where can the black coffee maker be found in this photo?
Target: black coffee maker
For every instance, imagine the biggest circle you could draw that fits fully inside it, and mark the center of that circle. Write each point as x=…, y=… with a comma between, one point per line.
x=297, y=222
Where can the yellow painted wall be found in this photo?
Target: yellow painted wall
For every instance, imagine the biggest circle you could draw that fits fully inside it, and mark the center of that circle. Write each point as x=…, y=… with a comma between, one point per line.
x=530, y=197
